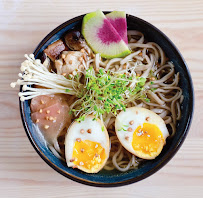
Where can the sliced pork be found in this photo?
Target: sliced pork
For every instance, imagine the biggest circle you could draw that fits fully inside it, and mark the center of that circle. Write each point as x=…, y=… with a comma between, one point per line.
x=54, y=50
x=51, y=114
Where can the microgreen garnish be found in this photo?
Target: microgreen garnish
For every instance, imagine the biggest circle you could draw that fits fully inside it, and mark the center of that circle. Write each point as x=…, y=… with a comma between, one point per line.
x=153, y=89
x=106, y=92
x=147, y=99
x=122, y=129
x=151, y=74
x=81, y=118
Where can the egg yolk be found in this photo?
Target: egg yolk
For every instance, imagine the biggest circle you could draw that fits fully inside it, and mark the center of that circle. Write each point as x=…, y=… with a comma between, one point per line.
x=88, y=154
x=147, y=139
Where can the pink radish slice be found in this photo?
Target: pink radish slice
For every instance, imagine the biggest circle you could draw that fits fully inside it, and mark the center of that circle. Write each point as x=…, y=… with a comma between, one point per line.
x=118, y=21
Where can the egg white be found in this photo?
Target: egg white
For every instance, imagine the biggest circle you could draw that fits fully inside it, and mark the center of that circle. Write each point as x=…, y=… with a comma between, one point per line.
x=138, y=115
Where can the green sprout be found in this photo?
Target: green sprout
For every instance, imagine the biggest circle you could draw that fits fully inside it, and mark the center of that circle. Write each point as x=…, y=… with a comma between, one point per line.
x=105, y=92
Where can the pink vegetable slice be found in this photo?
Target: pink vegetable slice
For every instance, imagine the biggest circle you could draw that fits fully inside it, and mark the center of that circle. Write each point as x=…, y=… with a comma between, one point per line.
x=102, y=37
x=118, y=20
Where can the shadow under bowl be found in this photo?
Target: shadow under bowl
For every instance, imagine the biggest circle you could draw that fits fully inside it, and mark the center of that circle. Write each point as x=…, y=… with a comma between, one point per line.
x=116, y=178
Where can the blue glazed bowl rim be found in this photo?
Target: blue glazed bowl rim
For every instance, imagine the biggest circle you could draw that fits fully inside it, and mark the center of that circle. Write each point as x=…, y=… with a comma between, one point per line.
x=166, y=158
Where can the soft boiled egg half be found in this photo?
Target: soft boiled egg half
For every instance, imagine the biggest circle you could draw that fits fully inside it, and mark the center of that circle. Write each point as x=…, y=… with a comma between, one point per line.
x=87, y=145
x=141, y=131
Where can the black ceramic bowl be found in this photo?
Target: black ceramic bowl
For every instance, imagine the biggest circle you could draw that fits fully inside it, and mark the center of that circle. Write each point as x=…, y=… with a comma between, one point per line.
x=116, y=178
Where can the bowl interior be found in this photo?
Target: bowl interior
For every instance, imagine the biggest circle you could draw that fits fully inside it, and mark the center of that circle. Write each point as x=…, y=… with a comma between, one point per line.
x=115, y=178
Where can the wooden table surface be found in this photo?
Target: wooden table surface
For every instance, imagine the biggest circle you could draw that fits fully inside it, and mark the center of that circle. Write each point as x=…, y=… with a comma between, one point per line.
x=23, y=24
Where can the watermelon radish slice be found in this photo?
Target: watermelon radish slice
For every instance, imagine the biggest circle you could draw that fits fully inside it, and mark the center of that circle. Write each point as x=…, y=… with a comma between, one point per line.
x=102, y=37
x=118, y=20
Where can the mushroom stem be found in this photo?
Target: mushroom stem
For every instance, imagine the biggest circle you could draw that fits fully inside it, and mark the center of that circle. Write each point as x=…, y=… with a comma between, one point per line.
x=35, y=73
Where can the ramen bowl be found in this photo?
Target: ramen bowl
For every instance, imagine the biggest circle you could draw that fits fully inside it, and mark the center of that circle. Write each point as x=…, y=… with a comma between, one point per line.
x=116, y=178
